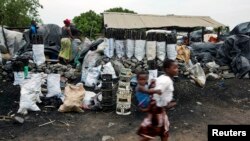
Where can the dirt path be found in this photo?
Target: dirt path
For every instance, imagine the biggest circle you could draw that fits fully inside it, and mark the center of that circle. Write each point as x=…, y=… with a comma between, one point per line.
x=196, y=109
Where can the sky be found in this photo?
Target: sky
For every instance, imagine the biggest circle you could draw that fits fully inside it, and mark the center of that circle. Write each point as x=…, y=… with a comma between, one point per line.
x=228, y=12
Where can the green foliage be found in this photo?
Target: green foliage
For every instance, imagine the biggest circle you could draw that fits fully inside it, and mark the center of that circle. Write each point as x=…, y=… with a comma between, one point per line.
x=89, y=23
x=120, y=9
x=19, y=13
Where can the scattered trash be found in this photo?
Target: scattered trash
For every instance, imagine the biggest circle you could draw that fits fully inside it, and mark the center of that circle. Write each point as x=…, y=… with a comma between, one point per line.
x=198, y=75
x=198, y=103
x=228, y=75
x=19, y=119
x=108, y=138
x=47, y=123
x=111, y=124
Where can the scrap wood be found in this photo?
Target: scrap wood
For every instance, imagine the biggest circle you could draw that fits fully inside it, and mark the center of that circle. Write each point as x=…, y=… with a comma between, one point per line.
x=67, y=124
x=47, y=123
x=5, y=118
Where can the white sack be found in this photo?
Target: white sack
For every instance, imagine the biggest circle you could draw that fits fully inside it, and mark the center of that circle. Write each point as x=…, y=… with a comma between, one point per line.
x=140, y=49
x=84, y=74
x=165, y=84
x=130, y=48
x=119, y=48
x=18, y=78
x=30, y=91
x=90, y=59
x=92, y=76
x=171, y=51
x=38, y=54
x=161, y=50
x=88, y=97
x=53, y=85
x=198, y=74
x=109, y=69
x=152, y=74
x=109, y=51
x=151, y=50
x=38, y=80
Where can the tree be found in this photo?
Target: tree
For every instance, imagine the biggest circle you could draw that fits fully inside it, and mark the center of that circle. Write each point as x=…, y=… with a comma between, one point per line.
x=19, y=13
x=89, y=23
x=120, y=9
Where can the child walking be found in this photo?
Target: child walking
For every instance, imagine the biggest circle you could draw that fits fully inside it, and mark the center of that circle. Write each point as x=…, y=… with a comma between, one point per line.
x=156, y=122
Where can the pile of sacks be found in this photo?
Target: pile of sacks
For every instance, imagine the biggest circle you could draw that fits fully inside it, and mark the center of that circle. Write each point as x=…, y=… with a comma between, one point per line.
x=42, y=86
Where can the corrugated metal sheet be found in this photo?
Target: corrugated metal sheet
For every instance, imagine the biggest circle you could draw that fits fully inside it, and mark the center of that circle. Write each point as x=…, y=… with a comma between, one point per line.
x=132, y=21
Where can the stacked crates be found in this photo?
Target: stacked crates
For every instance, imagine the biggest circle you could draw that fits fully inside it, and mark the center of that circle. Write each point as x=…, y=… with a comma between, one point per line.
x=107, y=102
x=124, y=94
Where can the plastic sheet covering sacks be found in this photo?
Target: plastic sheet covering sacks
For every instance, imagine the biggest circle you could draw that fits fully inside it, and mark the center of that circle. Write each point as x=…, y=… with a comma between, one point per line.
x=75, y=47
x=92, y=76
x=198, y=74
x=119, y=48
x=130, y=48
x=30, y=91
x=235, y=52
x=171, y=51
x=14, y=40
x=109, y=51
x=51, y=33
x=109, y=69
x=38, y=54
x=151, y=50
x=74, y=95
x=89, y=61
x=161, y=50
x=103, y=46
x=183, y=53
x=53, y=85
x=140, y=49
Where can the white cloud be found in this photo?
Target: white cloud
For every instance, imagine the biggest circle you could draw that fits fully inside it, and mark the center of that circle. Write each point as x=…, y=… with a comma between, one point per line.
x=228, y=12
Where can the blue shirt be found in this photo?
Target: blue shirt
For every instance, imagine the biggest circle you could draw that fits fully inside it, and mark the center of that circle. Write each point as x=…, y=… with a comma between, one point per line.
x=142, y=98
x=33, y=29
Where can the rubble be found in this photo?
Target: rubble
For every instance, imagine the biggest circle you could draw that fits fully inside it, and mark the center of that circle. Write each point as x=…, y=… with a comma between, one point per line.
x=228, y=75
x=66, y=71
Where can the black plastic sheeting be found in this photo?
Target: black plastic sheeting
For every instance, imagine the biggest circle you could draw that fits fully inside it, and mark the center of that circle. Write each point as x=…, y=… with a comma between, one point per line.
x=204, y=52
x=235, y=52
x=243, y=28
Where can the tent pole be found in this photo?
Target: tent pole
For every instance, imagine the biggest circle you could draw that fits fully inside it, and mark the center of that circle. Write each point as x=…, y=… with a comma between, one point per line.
x=203, y=32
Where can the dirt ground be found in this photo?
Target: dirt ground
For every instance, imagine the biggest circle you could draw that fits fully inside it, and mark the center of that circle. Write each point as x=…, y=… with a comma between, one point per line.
x=197, y=107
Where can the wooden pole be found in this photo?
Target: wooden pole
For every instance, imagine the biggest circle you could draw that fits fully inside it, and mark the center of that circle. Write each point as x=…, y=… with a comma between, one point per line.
x=203, y=32
x=218, y=33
